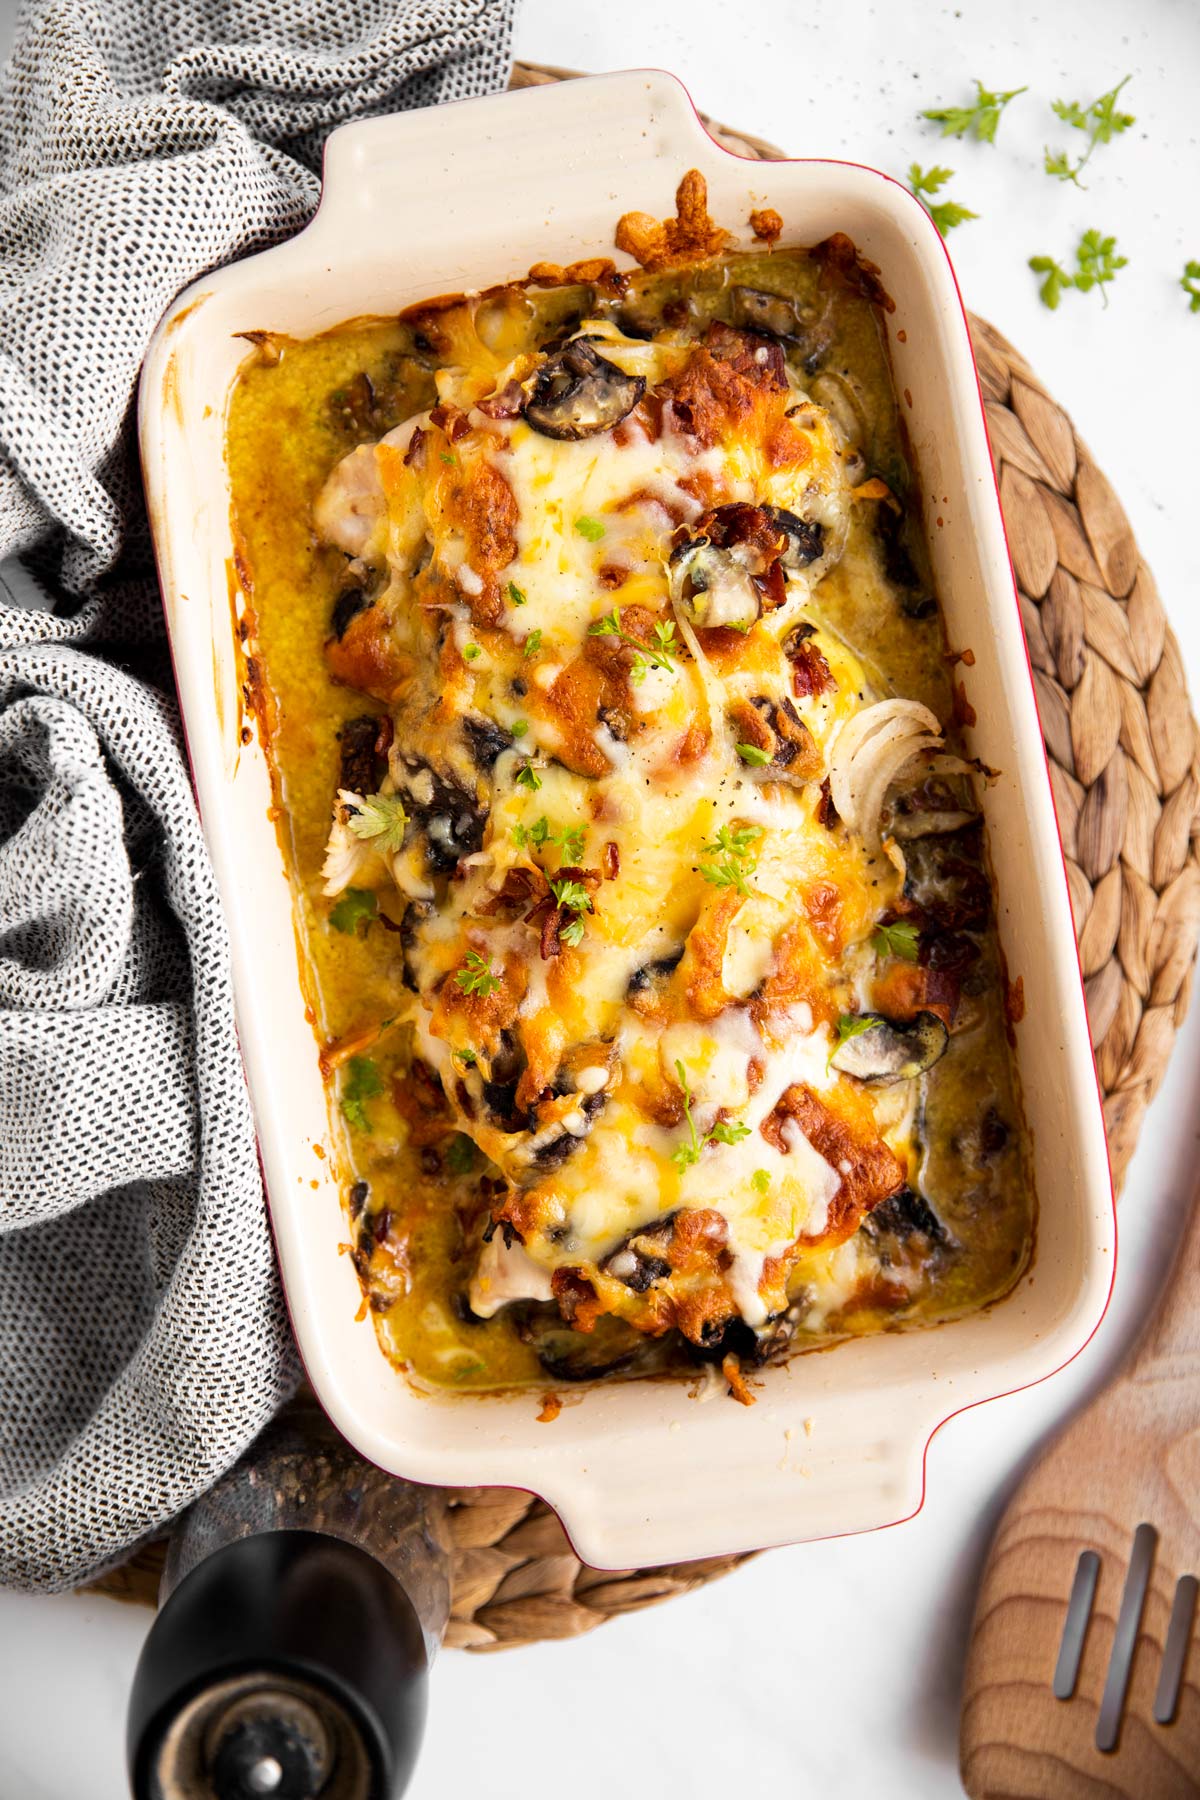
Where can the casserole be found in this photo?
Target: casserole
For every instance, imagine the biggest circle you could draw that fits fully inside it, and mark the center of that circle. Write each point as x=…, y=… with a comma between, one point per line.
x=855, y=1421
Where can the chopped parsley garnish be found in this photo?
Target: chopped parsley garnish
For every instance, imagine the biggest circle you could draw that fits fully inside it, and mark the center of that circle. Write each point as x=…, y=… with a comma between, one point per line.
x=519, y=727
x=732, y=845
x=760, y=1181
x=726, y=1132
x=536, y=834
x=477, y=975
x=380, y=820
x=471, y=652
x=527, y=776
x=684, y=1155
x=360, y=1083
x=515, y=594
x=750, y=753
x=356, y=907
x=533, y=643
x=1097, y=265
x=1100, y=122
x=460, y=1154
x=447, y=458
x=658, y=655
x=1189, y=281
x=925, y=183
x=591, y=529
x=899, y=940
x=573, y=933
x=570, y=840
x=980, y=120
x=572, y=895
x=851, y=1025
x=467, y=1058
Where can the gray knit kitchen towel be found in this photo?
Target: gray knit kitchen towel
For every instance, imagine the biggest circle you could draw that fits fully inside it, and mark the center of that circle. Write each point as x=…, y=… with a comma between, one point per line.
x=143, y=1338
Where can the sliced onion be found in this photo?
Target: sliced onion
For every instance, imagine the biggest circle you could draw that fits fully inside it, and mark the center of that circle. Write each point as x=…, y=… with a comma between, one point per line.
x=869, y=752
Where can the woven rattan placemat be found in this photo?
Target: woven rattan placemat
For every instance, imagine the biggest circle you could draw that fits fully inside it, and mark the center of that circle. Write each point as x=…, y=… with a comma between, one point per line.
x=1123, y=752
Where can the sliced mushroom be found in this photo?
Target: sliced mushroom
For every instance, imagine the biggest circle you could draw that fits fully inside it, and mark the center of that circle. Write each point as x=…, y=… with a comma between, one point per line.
x=610, y=1348
x=805, y=537
x=578, y=393
x=753, y=310
x=903, y=1214
x=886, y=1050
x=714, y=587
x=639, y=1260
x=449, y=818
x=486, y=740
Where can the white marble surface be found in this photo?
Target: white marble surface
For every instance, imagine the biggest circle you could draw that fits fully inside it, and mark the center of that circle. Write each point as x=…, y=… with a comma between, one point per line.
x=833, y=1666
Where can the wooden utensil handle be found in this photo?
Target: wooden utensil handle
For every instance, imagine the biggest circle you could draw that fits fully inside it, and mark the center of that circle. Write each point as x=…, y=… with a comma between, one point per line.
x=1174, y=1334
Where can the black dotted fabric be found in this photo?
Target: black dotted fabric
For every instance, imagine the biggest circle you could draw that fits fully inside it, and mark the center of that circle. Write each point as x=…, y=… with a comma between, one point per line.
x=143, y=1337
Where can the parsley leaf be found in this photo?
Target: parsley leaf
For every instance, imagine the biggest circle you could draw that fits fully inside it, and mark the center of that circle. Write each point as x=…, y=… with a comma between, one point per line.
x=533, y=643
x=899, y=940
x=732, y=844
x=1056, y=280
x=447, y=458
x=684, y=1155
x=1189, y=281
x=537, y=833
x=356, y=907
x=750, y=753
x=471, y=652
x=381, y=820
x=591, y=529
x=527, y=776
x=728, y=1132
x=477, y=975
x=572, y=895
x=946, y=214
x=1096, y=264
x=573, y=933
x=460, y=1154
x=981, y=119
x=570, y=840
x=851, y=1025
x=515, y=594
x=658, y=655
x=360, y=1083
x=519, y=727
x=1100, y=122
x=760, y=1180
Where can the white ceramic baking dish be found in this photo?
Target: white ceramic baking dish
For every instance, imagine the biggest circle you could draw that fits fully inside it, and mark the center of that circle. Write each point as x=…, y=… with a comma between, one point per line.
x=435, y=202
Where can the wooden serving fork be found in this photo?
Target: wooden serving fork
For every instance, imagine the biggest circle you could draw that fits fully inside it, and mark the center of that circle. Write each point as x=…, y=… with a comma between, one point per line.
x=1077, y=1683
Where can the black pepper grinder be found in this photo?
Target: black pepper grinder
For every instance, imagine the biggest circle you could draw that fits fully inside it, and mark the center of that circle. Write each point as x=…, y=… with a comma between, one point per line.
x=303, y=1600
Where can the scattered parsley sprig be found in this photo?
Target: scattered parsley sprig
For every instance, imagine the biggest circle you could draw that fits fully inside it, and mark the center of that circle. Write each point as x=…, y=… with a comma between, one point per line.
x=898, y=939
x=357, y=906
x=1101, y=122
x=658, y=655
x=732, y=845
x=477, y=975
x=1096, y=265
x=980, y=120
x=380, y=820
x=925, y=183
x=1189, y=281
x=569, y=839
x=850, y=1025
x=724, y=1132
x=360, y=1083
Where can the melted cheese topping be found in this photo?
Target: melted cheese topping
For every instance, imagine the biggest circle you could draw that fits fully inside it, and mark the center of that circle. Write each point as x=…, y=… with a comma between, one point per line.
x=647, y=1046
